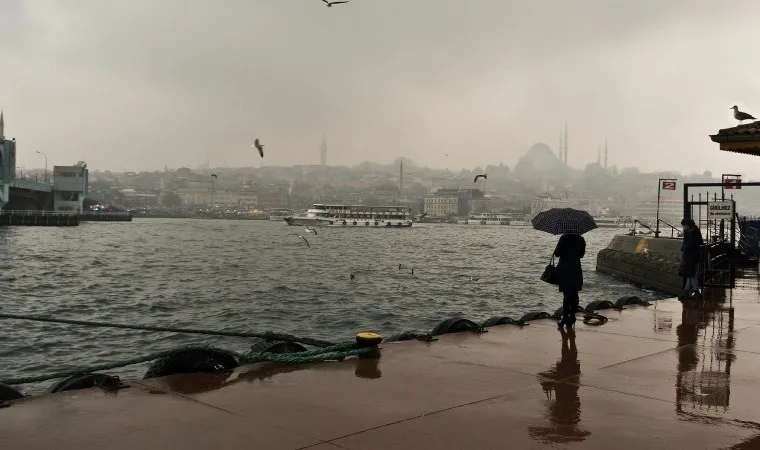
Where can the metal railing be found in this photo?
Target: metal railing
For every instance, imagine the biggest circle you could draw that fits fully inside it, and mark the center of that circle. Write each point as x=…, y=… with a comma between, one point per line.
x=24, y=212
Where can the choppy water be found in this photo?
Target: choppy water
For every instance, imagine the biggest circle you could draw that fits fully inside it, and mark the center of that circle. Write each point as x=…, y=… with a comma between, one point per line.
x=259, y=276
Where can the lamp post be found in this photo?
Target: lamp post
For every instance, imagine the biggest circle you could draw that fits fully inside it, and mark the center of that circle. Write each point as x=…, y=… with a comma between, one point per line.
x=213, y=178
x=46, y=176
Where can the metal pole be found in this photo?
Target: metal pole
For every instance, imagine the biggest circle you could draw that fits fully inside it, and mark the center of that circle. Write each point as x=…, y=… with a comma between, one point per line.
x=657, y=220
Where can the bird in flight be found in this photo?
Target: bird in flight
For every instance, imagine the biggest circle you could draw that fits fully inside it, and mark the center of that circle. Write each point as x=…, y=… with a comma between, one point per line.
x=311, y=230
x=329, y=4
x=259, y=146
x=741, y=116
x=483, y=176
x=304, y=239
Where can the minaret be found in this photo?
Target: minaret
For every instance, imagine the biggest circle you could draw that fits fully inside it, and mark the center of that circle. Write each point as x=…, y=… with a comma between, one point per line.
x=605, y=154
x=599, y=157
x=323, y=152
x=2, y=127
x=401, y=176
x=561, y=153
x=565, y=147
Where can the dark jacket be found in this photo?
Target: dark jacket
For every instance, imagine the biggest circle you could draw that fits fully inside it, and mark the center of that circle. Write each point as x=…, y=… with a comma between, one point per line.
x=691, y=250
x=570, y=249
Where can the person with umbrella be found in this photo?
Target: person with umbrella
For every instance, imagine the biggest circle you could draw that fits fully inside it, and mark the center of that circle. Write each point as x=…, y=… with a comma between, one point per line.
x=568, y=275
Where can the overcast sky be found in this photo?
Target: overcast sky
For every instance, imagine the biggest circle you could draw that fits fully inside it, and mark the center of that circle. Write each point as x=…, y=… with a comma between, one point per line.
x=136, y=84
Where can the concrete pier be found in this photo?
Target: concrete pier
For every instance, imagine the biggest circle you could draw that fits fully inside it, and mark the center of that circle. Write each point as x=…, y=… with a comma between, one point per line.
x=38, y=218
x=105, y=217
x=648, y=261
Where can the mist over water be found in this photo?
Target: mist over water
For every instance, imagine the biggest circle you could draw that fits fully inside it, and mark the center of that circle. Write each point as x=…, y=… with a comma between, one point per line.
x=259, y=276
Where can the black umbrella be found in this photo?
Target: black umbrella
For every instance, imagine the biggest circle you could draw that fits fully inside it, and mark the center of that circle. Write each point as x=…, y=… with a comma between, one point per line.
x=563, y=221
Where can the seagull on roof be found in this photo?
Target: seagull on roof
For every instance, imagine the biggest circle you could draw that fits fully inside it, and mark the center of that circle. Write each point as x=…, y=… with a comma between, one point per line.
x=258, y=146
x=329, y=4
x=741, y=116
x=483, y=176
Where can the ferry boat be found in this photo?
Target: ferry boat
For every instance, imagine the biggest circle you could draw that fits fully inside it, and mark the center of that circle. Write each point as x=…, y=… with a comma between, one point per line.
x=496, y=219
x=613, y=222
x=355, y=216
x=280, y=214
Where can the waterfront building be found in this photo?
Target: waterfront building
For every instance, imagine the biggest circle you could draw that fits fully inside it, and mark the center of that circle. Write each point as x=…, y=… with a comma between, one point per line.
x=441, y=206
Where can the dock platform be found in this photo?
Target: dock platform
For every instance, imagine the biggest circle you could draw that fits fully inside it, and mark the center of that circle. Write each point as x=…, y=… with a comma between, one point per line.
x=670, y=375
x=38, y=218
x=105, y=217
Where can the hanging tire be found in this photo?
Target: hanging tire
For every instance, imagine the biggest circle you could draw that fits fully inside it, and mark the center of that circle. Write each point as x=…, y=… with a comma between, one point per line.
x=344, y=222
x=331, y=222
x=9, y=393
x=630, y=300
x=409, y=336
x=499, y=320
x=558, y=313
x=366, y=224
x=280, y=347
x=597, y=305
x=535, y=315
x=85, y=381
x=455, y=325
x=375, y=223
x=193, y=360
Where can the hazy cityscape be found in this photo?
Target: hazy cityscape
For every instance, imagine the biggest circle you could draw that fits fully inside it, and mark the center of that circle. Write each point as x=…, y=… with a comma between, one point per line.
x=540, y=180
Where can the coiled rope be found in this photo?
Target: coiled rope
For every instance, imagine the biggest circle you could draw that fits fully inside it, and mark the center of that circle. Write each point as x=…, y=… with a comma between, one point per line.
x=269, y=336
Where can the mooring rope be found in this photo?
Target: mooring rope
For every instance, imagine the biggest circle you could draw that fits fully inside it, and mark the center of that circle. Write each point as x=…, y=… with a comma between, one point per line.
x=337, y=352
x=269, y=336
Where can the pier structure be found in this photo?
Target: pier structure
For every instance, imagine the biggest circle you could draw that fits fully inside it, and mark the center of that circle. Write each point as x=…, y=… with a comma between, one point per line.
x=670, y=375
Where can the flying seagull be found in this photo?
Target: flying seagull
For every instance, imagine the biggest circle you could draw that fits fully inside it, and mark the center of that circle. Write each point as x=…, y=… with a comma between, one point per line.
x=259, y=146
x=741, y=116
x=304, y=239
x=483, y=176
x=329, y=4
x=311, y=230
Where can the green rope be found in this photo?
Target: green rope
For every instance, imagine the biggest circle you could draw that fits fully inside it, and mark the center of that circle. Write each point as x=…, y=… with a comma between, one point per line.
x=300, y=357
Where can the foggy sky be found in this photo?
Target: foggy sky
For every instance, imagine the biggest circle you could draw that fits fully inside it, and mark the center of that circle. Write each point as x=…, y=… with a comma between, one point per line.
x=136, y=84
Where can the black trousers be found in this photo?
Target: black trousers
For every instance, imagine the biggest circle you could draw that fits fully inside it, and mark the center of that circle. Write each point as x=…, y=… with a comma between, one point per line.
x=569, y=305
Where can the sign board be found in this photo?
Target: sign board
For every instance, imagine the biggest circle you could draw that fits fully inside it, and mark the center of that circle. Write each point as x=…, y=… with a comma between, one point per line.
x=720, y=210
x=669, y=185
x=732, y=183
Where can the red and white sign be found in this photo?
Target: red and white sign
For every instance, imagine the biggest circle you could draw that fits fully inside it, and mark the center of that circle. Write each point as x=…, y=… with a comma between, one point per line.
x=669, y=185
x=732, y=183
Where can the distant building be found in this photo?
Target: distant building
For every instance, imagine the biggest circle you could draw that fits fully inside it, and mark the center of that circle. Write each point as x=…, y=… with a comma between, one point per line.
x=222, y=198
x=7, y=163
x=441, y=206
x=70, y=187
x=465, y=198
x=546, y=203
x=323, y=152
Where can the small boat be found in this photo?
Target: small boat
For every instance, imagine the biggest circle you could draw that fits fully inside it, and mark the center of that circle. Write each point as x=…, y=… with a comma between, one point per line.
x=354, y=216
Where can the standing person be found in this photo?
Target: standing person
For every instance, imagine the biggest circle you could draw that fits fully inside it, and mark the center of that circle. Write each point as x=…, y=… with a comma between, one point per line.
x=570, y=249
x=691, y=250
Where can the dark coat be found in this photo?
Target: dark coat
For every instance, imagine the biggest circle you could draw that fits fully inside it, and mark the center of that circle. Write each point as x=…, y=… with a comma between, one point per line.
x=691, y=250
x=570, y=249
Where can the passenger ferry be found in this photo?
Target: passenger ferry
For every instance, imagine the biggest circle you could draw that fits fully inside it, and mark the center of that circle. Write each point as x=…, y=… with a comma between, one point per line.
x=614, y=222
x=280, y=214
x=354, y=216
x=496, y=219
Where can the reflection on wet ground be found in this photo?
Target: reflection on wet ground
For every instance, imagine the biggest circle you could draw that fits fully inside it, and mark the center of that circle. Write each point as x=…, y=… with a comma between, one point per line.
x=672, y=375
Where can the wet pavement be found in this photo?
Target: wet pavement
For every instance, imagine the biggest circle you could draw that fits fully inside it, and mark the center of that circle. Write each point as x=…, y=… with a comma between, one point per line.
x=671, y=375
